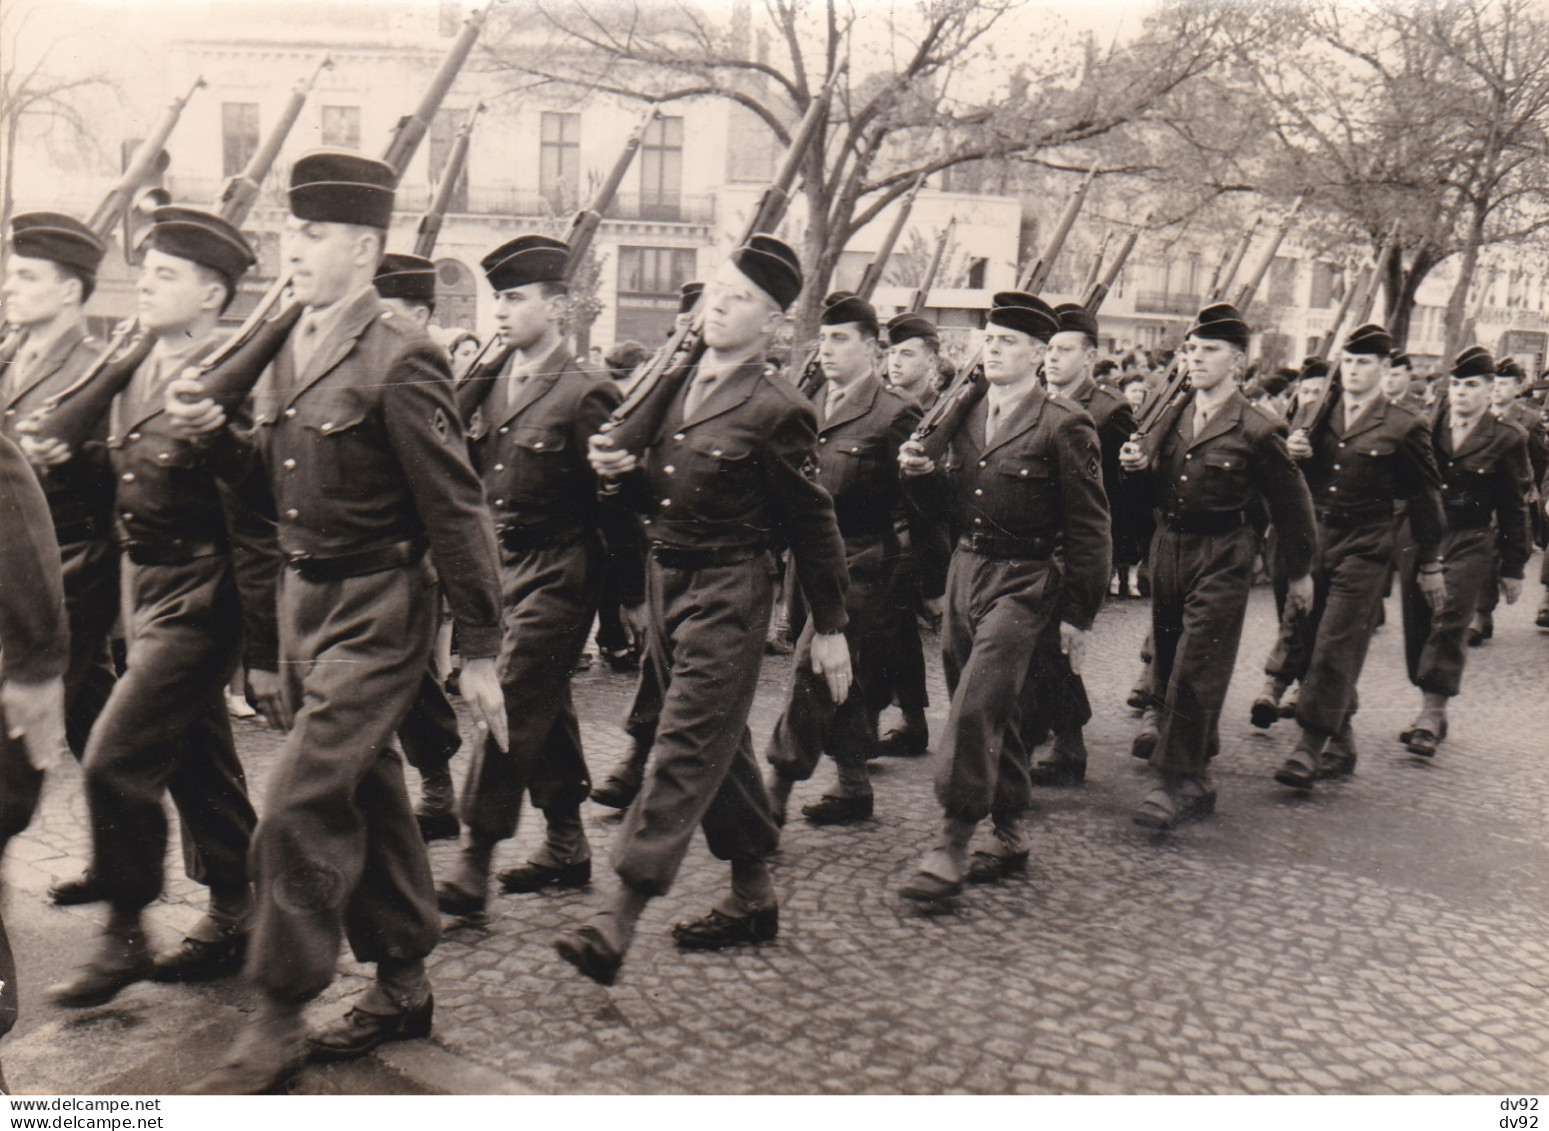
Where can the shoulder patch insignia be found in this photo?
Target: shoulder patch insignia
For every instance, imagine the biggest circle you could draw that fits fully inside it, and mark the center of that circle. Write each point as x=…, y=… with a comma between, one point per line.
x=1094, y=463
x=442, y=426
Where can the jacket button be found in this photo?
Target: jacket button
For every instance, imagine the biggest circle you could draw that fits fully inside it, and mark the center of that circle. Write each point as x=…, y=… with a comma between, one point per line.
x=128, y=477
x=822, y=439
x=539, y=445
x=292, y=513
x=669, y=469
x=978, y=492
x=503, y=431
x=1333, y=490
x=134, y=436
x=289, y=465
x=500, y=502
x=1336, y=467
x=1024, y=471
x=128, y=516
x=1188, y=455
x=666, y=502
x=499, y=467
x=1341, y=443
x=290, y=412
x=716, y=452
x=984, y=463
x=678, y=436
x=978, y=522
x=327, y=426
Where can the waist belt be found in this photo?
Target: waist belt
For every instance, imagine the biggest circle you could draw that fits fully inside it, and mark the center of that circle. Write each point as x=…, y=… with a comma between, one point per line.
x=1344, y=518
x=682, y=557
x=1203, y=522
x=82, y=530
x=517, y=539
x=358, y=564
x=174, y=551
x=992, y=545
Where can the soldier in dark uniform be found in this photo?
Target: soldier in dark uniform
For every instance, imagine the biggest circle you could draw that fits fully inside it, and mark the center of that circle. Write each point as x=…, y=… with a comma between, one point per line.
x=1054, y=700
x=1370, y=453
x=165, y=727
x=913, y=369
x=1508, y=404
x=530, y=420
x=1023, y=481
x=365, y=458
x=1210, y=463
x=723, y=482
x=861, y=424
x=34, y=637
x=1486, y=477
x=51, y=273
x=429, y=734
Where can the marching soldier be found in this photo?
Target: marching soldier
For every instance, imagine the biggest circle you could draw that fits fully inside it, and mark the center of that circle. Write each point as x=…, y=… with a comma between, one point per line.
x=165, y=727
x=51, y=274
x=1398, y=384
x=1485, y=479
x=726, y=476
x=1023, y=480
x=1508, y=404
x=528, y=441
x=1371, y=453
x=1209, y=466
x=1054, y=701
x=367, y=466
x=898, y=674
x=862, y=423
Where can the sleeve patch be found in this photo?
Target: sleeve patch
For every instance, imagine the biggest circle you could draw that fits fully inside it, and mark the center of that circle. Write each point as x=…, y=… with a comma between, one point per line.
x=442, y=426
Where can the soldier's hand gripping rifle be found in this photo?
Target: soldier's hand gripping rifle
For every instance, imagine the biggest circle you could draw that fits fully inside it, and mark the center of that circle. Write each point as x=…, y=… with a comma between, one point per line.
x=946, y=416
x=634, y=423
x=932, y=269
x=72, y=414
x=811, y=378
x=1315, y=415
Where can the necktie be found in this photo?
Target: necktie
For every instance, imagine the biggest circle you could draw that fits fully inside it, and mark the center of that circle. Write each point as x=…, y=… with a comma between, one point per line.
x=304, y=344
x=697, y=392
x=991, y=424
x=21, y=368
x=1460, y=433
x=1201, y=418
x=835, y=395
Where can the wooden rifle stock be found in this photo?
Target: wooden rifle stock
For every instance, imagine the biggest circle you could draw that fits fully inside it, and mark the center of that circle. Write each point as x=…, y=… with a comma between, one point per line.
x=1228, y=273
x=1038, y=274
x=411, y=130
x=1246, y=292
x=121, y=195
x=241, y=192
x=932, y=269
x=633, y=424
x=435, y=215
x=1093, y=302
x=1096, y=270
x=1326, y=343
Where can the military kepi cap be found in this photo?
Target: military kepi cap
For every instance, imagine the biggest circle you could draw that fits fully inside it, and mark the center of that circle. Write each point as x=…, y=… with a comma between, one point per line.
x=406, y=276
x=1402, y=361
x=203, y=238
x=902, y=327
x=526, y=259
x=843, y=307
x=1475, y=361
x=1220, y=322
x=770, y=265
x=1369, y=339
x=59, y=238
x=1313, y=367
x=1074, y=317
x=688, y=296
x=1508, y=367
x=1016, y=310
x=340, y=187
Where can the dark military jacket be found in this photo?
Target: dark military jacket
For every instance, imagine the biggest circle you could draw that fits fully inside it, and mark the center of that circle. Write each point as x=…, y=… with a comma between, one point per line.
x=1038, y=484
x=1238, y=461
x=858, y=456
x=930, y=539
x=1385, y=456
x=34, y=632
x=80, y=490
x=364, y=449
x=735, y=476
x=1488, y=476
x=1530, y=418
x=1115, y=422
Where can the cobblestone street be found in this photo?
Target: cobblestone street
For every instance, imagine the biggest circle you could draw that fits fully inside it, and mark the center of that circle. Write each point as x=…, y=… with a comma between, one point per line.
x=1386, y=934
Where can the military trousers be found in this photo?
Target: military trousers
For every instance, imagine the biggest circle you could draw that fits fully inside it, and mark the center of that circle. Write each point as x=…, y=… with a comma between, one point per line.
x=1199, y=599
x=896, y=667
x=1053, y=699
x=337, y=851
x=90, y=573
x=550, y=597
x=1436, y=644
x=1349, y=572
x=812, y=722
x=705, y=643
x=166, y=729
x=997, y=611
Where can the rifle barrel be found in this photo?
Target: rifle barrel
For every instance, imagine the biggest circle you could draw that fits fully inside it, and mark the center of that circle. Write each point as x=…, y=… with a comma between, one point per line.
x=451, y=173
x=1251, y=287
x=139, y=170
x=1038, y=274
x=412, y=129
x=932, y=269
x=242, y=190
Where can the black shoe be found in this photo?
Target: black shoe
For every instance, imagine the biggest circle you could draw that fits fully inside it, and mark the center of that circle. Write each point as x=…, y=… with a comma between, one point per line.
x=438, y=826
x=1338, y=762
x=530, y=877
x=457, y=897
x=72, y=893
x=194, y=960
x=1408, y=732
x=987, y=867
x=587, y=950
x=1266, y=708
x=832, y=810
x=1143, y=745
x=120, y=962
x=1300, y=769
x=1422, y=741
x=1139, y=698
x=1170, y=805
x=622, y=659
x=927, y=887
x=1542, y=619
x=358, y=1032
x=716, y=931
x=622, y=786
x=907, y=740
x=778, y=646
x=1288, y=701
x=1060, y=774
x=257, y=1073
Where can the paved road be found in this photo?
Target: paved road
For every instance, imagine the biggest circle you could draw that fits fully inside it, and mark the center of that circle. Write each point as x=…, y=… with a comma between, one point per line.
x=1387, y=934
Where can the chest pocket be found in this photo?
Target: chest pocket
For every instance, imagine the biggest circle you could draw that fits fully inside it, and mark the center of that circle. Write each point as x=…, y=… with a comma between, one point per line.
x=1378, y=448
x=721, y=454
x=540, y=441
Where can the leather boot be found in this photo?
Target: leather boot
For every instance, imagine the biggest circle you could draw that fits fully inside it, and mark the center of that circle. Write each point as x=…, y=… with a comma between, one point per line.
x=269, y=1049
x=437, y=812
x=122, y=959
x=1143, y=745
x=623, y=784
x=467, y=891
x=942, y=871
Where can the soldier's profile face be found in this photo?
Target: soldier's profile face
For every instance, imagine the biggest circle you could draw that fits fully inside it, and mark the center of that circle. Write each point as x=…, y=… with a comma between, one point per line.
x=1070, y=357
x=1212, y=361
x=910, y=364
x=1395, y=382
x=523, y=315
x=172, y=292
x=1468, y=396
x=1503, y=390
x=1361, y=372
x=324, y=258
x=737, y=313
x=1310, y=389
x=1010, y=356
x=35, y=290
x=845, y=353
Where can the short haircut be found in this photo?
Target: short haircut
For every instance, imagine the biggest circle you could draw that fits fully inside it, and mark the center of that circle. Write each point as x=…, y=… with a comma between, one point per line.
x=1104, y=367
x=211, y=275
x=551, y=288
x=88, y=283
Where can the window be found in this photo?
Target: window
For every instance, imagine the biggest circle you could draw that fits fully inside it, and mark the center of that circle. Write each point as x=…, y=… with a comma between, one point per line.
x=1328, y=286
x=661, y=170
x=752, y=151
x=239, y=136
x=443, y=132
x=649, y=279
x=341, y=127
x=559, y=160
x=1282, y=281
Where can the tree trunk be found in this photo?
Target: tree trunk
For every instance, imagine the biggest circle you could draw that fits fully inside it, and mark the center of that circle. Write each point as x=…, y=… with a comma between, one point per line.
x=1402, y=287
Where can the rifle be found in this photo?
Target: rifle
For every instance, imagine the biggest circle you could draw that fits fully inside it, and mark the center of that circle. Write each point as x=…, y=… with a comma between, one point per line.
x=1326, y=343
x=811, y=378
x=635, y=421
x=1222, y=285
x=241, y=192
x=430, y=222
x=946, y=416
x=412, y=128
x=1097, y=263
x=1098, y=293
x=1469, y=331
x=932, y=269
x=1246, y=292
x=120, y=195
